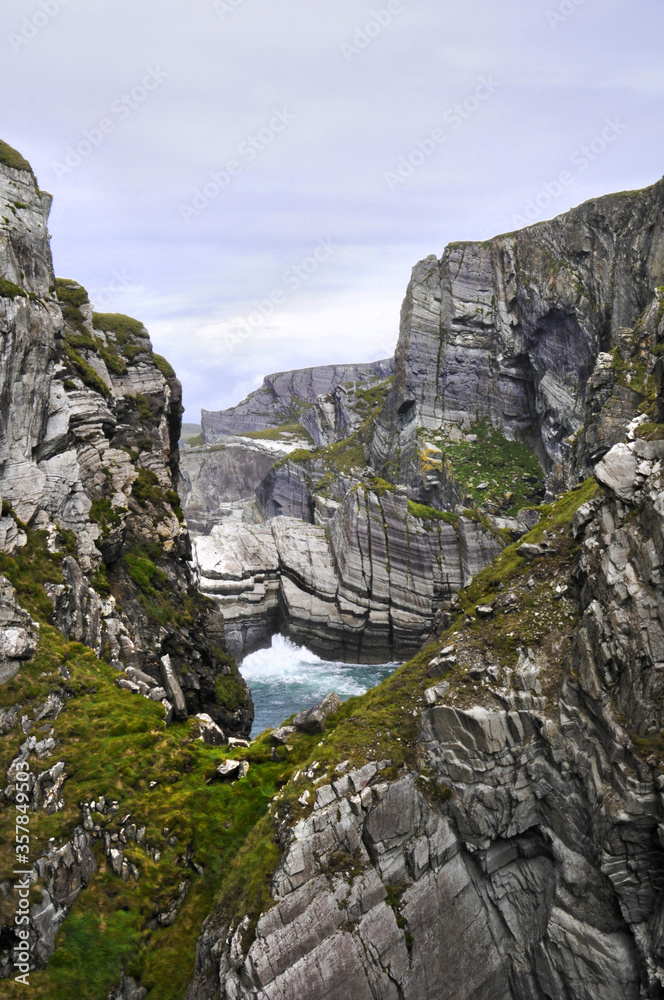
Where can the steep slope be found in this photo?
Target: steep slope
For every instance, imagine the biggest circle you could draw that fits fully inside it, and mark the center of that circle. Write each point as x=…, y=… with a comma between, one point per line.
x=487, y=823
x=514, y=375
x=510, y=330
x=104, y=639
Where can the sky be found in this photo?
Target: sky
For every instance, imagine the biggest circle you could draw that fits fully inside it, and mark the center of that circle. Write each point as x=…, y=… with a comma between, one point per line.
x=255, y=179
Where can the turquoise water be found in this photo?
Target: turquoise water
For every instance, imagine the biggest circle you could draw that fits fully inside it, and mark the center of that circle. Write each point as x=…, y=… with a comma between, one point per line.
x=288, y=678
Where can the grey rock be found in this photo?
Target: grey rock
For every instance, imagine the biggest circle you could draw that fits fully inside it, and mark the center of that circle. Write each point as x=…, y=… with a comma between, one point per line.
x=209, y=731
x=282, y=396
x=617, y=471
x=232, y=770
x=282, y=736
x=172, y=685
x=313, y=719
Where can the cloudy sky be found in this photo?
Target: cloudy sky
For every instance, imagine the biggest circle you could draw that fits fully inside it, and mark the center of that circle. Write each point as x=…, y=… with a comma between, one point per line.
x=254, y=179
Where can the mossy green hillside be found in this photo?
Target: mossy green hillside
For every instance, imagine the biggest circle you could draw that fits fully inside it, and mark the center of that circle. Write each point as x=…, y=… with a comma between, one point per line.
x=10, y=157
x=508, y=471
x=115, y=744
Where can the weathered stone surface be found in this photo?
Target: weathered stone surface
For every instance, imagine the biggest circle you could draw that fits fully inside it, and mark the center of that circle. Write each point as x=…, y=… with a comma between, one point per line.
x=282, y=394
x=617, y=471
x=18, y=633
x=363, y=589
x=173, y=688
x=209, y=731
x=513, y=330
x=313, y=719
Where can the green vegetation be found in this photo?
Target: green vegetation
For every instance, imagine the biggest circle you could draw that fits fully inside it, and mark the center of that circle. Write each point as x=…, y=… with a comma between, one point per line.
x=229, y=691
x=115, y=744
x=8, y=290
x=122, y=326
x=430, y=514
x=162, y=364
x=146, y=488
x=280, y=433
x=105, y=515
x=10, y=157
x=146, y=412
x=650, y=432
x=30, y=567
x=511, y=471
x=85, y=370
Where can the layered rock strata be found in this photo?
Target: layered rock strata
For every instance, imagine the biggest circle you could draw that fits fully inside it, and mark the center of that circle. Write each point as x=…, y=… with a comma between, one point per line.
x=521, y=857
x=287, y=396
x=364, y=588
x=511, y=330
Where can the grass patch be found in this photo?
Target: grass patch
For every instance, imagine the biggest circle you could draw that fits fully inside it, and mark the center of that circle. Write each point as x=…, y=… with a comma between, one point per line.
x=425, y=513
x=29, y=568
x=279, y=433
x=650, y=432
x=164, y=367
x=124, y=327
x=8, y=290
x=10, y=157
x=511, y=471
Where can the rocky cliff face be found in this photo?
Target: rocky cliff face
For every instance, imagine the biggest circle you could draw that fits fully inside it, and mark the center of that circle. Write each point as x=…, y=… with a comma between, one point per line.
x=287, y=396
x=523, y=342
x=488, y=823
x=365, y=588
x=516, y=851
x=94, y=553
x=511, y=330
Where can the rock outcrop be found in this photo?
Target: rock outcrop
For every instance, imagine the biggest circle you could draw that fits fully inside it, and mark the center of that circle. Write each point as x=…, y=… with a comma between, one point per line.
x=89, y=427
x=363, y=588
x=220, y=479
x=93, y=546
x=511, y=330
x=515, y=850
x=519, y=855
x=285, y=397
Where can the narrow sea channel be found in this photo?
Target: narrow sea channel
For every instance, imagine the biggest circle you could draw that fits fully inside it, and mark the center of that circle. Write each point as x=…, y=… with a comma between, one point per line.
x=287, y=678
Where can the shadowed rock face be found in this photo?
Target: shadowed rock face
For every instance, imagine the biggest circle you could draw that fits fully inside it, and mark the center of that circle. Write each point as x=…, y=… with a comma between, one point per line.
x=286, y=395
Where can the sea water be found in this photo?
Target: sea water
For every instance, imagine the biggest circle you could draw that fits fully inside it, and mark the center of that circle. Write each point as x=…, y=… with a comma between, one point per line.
x=287, y=678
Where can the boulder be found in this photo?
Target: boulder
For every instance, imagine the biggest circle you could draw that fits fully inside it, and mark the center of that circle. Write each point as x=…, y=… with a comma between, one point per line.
x=313, y=720
x=172, y=685
x=618, y=470
x=209, y=732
